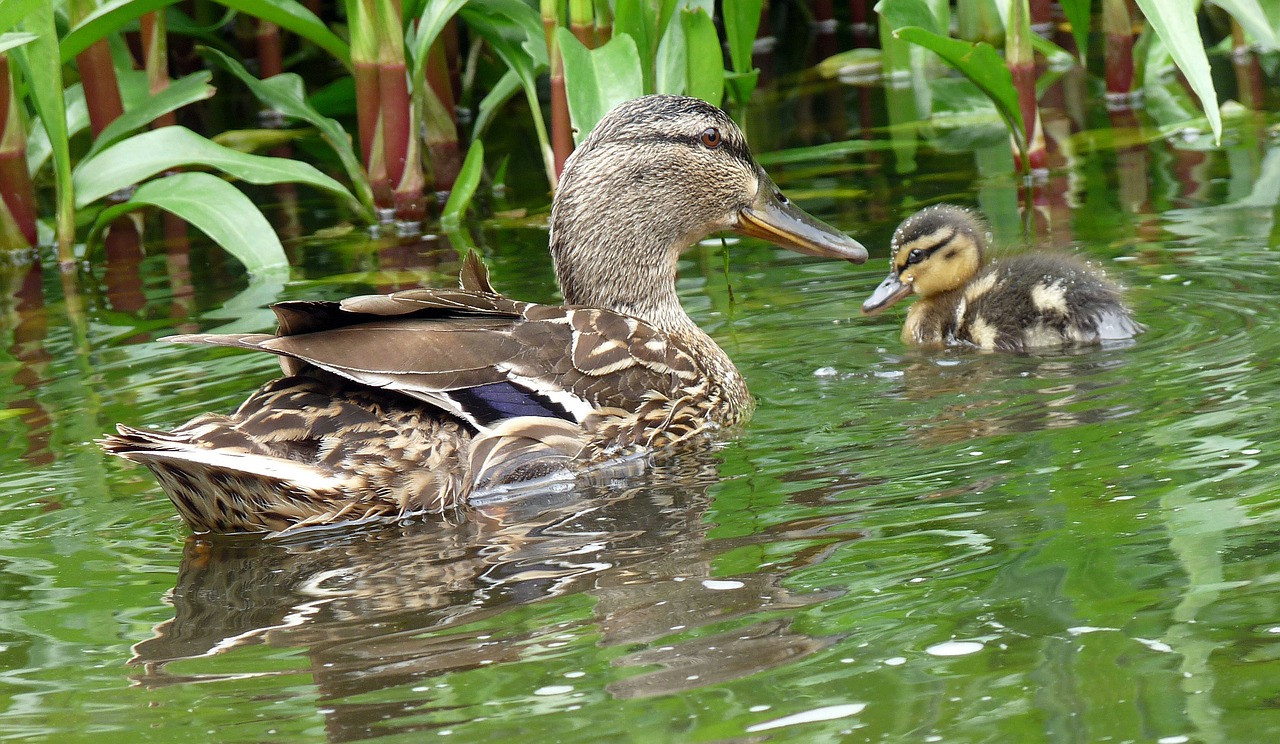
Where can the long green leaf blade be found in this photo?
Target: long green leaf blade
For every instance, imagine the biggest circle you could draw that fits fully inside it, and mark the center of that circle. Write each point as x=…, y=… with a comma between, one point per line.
x=514, y=31
x=1077, y=12
x=144, y=155
x=14, y=39
x=1253, y=19
x=598, y=79
x=214, y=207
x=43, y=71
x=741, y=20
x=13, y=11
x=181, y=92
x=704, y=63
x=435, y=14
x=288, y=14
x=1174, y=21
x=285, y=93
x=465, y=187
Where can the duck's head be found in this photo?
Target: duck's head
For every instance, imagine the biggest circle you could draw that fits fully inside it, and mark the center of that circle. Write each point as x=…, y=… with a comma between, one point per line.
x=657, y=175
x=935, y=250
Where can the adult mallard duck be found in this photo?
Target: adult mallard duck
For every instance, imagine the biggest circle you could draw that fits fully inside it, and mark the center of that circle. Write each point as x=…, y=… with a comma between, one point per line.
x=1021, y=302
x=416, y=401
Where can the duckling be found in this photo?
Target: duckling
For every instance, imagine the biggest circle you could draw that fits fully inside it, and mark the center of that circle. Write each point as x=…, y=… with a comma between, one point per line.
x=1023, y=302
x=415, y=402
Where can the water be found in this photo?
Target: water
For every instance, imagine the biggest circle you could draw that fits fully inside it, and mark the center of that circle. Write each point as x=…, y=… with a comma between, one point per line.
x=901, y=546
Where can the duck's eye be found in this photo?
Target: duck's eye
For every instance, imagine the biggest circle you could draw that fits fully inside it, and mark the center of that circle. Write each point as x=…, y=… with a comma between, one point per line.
x=711, y=137
x=915, y=256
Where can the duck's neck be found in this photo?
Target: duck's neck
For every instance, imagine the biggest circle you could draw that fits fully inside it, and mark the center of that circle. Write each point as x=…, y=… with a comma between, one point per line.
x=620, y=264
x=628, y=266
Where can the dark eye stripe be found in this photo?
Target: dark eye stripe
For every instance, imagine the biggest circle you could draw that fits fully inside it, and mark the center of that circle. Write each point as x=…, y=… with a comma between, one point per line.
x=929, y=251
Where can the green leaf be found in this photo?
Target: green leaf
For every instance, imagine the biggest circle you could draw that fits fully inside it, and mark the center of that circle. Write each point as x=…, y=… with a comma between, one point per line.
x=704, y=62
x=43, y=72
x=464, y=188
x=645, y=21
x=514, y=31
x=903, y=13
x=499, y=94
x=14, y=39
x=1077, y=12
x=741, y=20
x=144, y=155
x=285, y=93
x=13, y=11
x=288, y=14
x=180, y=92
x=1253, y=19
x=822, y=153
x=982, y=64
x=598, y=79
x=217, y=209
x=134, y=91
x=1174, y=21
x=435, y=14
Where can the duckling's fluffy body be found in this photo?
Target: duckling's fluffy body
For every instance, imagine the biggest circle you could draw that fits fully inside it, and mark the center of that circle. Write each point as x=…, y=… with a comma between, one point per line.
x=1028, y=301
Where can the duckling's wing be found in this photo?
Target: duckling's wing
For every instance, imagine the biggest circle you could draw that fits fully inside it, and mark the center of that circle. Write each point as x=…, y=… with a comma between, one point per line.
x=479, y=356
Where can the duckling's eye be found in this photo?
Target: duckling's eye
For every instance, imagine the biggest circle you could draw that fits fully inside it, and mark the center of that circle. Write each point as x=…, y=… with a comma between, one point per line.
x=915, y=256
x=711, y=137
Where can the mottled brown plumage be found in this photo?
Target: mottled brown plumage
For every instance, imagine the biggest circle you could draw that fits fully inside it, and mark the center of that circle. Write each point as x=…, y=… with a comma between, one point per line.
x=415, y=401
x=1022, y=302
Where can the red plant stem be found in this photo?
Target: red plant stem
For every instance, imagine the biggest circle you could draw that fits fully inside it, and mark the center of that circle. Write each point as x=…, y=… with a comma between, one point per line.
x=15, y=183
x=1118, y=28
x=1024, y=81
x=1248, y=69
x=122, y=247
x=1021, y=62
x=393, y=93
x=603, y=22
x=561, y=127
x=101, y=91
x=860, y=24
x=453, y=55
x=824, y=30
x=1042, y=15
x=442, y=136
x=270, y=55
x=366, y=78
x=156, y=56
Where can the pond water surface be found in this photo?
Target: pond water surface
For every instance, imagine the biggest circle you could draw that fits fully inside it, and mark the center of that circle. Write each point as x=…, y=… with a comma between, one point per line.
x=901, y=546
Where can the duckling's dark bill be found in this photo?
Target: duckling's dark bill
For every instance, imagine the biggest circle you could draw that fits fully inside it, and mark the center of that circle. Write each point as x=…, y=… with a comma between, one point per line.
x=889, y=292
x=786, y=225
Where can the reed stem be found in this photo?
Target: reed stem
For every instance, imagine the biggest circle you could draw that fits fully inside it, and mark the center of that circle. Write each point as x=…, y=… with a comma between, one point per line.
x=18, y=222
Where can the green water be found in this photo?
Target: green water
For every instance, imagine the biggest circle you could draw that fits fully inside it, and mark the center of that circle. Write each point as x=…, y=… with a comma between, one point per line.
x=901, y=546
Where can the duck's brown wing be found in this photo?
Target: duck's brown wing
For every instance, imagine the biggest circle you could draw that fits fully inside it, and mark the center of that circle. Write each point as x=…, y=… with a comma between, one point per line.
x=480, y=356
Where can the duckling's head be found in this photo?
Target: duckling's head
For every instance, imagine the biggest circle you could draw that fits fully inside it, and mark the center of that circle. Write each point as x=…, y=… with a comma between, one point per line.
x=657, y=175
x=935, y=250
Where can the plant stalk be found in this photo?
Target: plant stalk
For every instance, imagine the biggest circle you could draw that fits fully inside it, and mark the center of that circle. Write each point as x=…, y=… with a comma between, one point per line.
x=19, y=196
x=440, y=116
x=561, y=127
x=1117, y=27
x=97, y=74
x=582, y=22
x=1021, y=62
x=155, y=49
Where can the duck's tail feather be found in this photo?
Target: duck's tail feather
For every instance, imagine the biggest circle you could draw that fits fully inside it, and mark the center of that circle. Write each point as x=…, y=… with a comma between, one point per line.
x=237, y=491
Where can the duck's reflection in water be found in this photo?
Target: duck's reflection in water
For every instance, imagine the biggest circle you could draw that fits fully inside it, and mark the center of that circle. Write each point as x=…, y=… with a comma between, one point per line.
x=393, y=606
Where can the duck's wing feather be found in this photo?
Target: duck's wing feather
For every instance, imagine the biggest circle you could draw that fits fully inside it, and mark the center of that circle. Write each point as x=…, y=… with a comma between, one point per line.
x=478, y=355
